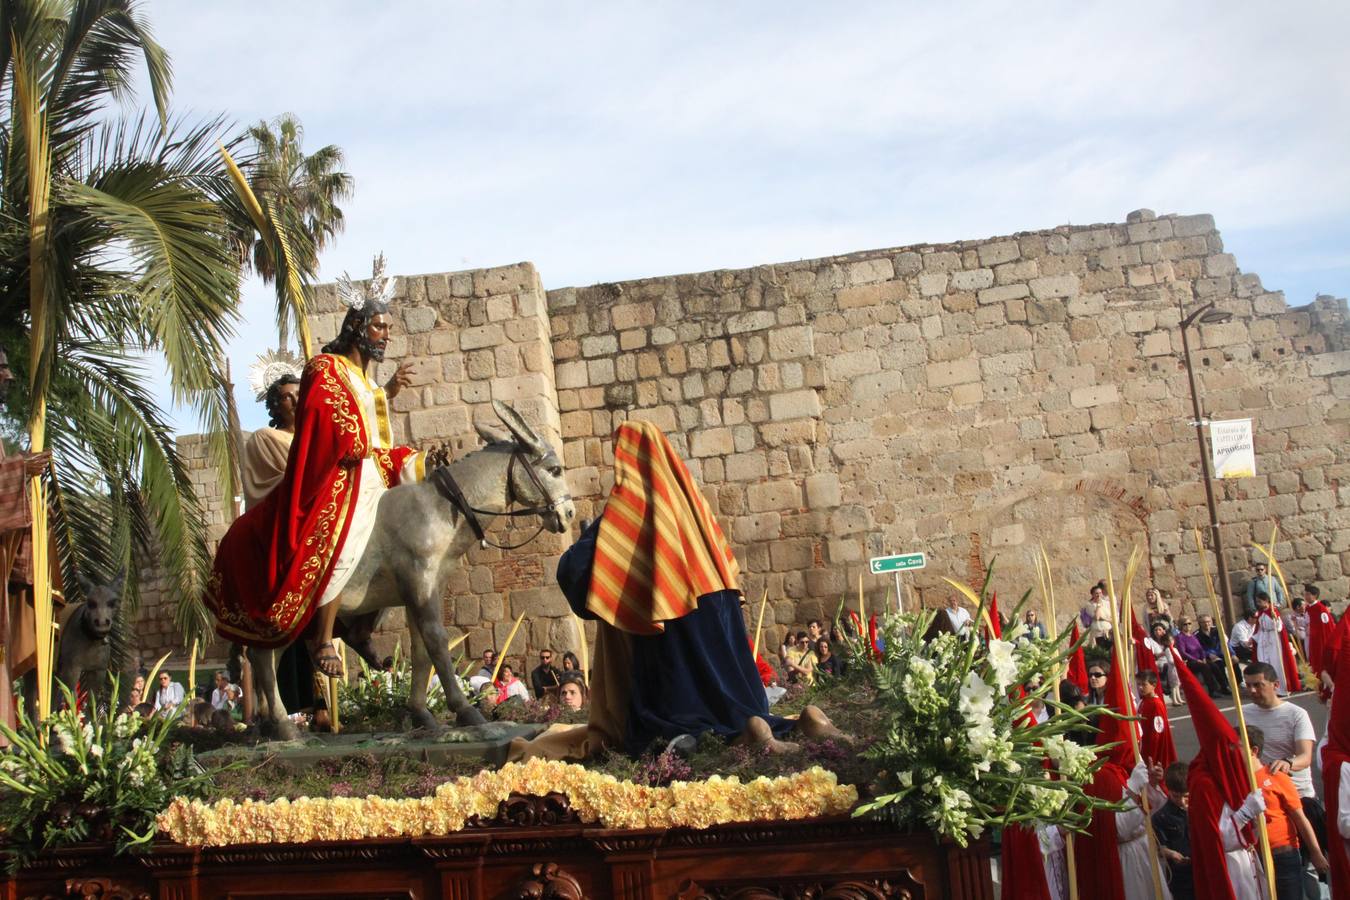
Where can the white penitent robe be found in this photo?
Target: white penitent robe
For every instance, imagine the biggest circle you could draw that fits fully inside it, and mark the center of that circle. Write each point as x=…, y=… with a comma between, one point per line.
x=1270, y=647
x=1246, y=877
x=1136, y=862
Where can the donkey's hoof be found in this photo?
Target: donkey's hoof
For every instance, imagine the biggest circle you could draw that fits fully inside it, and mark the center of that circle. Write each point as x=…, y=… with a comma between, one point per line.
x=283, y=730
x=470, y=716
x=423, y=720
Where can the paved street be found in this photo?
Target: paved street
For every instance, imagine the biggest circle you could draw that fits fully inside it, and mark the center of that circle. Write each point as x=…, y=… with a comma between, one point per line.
x=1183, y=733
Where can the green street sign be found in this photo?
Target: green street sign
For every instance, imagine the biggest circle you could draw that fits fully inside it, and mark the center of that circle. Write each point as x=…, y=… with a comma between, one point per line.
x=904, y=562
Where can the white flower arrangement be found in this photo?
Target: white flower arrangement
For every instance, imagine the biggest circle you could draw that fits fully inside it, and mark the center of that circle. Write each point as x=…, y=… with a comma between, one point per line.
x=961, y=751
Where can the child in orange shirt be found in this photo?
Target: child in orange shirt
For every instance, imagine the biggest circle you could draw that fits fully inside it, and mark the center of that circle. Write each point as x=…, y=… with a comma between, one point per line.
x=1286, y=825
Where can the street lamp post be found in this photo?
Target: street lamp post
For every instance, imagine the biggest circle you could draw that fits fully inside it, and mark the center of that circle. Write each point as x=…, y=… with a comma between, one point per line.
x=1208, y=315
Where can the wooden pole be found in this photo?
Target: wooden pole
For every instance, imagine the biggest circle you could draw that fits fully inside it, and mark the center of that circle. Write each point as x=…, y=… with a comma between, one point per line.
x=501, y=657
x=759, y=624
x=1048, y=592
x=1236, y=688
x=581, y=645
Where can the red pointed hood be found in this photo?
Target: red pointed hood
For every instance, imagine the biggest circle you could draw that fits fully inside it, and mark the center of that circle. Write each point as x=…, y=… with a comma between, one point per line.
x=1144, y=660
x=1077, y=670
x=1220, y=755
x=995, y=622
x=1337, y=750
x=1113, y=730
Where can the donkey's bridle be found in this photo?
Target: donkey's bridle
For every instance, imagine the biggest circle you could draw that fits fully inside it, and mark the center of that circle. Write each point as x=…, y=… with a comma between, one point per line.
x=448, y=488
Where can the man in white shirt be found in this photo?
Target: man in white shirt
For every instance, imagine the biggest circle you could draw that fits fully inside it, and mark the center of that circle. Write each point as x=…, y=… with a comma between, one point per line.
x=1289, y=738
x=222, y=695
x=959, y=615
x=1243, y=639
x=169, y=695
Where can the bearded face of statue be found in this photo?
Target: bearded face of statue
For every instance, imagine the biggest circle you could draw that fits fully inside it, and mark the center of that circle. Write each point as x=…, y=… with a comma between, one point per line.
x=374, y=338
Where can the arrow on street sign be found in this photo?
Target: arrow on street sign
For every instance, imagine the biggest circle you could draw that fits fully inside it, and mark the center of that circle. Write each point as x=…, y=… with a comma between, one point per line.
x=903, y=562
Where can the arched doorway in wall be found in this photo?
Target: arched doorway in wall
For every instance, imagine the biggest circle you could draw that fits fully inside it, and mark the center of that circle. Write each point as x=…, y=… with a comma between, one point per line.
x=1068, y=517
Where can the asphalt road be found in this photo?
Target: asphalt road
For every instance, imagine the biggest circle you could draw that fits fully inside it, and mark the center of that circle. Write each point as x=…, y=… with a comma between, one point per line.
x=1183, y=732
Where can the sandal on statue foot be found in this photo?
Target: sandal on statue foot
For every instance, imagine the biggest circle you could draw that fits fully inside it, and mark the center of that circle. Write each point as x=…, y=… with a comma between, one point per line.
x=326, y=660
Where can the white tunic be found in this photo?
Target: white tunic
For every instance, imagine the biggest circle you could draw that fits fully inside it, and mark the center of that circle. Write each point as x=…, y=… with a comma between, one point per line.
x=1136, y=862
x=1245, y=876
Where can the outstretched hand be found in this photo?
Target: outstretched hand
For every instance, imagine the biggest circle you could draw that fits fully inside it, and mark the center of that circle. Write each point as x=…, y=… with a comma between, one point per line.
x=401, y=378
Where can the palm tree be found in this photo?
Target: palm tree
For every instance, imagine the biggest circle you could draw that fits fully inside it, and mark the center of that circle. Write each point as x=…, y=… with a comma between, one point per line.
x=114, y=250
x=299, y=195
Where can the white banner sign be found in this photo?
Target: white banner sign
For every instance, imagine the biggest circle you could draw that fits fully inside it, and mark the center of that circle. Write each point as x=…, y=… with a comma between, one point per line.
x=1234, y=453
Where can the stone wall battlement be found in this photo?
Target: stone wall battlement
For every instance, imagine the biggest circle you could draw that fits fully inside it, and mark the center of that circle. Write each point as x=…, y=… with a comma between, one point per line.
x=973, y=400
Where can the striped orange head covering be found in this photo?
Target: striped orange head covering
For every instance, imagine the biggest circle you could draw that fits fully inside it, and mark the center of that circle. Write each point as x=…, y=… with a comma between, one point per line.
x=659, y=547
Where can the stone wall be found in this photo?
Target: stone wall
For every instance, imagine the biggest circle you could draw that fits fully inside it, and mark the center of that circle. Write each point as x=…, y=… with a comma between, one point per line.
x=975, y=400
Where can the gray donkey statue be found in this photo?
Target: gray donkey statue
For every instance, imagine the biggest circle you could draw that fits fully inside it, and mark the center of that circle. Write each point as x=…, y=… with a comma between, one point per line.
x=421, y=534
x=83, y=647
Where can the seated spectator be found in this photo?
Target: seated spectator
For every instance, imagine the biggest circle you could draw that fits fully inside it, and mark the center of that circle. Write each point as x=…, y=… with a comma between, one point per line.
x=1097, y=673
x=572, y=664
x=489, y=663
x=1155, y=606
x=1209, y=669
x=220, y=696
x=169, y=696
x=1209, y=637
x=827, y=664
x=544, y=676
x=958, y=614
x=1035, y=627
x=1296, y=622
x=1242, y=641
x=145, y=710
x=801, y=664
x=508, y=685
x=201, y=714
x=788, y=645
x=222, y=721
x=572, y=693
x=1159, y=643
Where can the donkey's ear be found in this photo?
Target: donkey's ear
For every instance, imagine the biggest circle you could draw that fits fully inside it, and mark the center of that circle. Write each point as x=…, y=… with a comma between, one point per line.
x=118, y=583
x=490, y=435
x=520, y=428
x=86, y=586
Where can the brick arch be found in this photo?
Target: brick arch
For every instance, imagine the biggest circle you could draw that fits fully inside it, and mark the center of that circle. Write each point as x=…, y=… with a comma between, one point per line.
x=1069, y=515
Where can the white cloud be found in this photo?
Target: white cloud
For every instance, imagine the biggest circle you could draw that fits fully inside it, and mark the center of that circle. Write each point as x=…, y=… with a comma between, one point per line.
x=604, y=140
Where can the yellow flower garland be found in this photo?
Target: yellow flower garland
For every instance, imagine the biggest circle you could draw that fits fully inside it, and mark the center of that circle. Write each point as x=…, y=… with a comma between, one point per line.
x=594, y=796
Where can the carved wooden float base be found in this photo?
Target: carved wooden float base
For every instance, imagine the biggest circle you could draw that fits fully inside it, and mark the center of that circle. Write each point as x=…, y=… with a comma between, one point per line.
x=540, y=854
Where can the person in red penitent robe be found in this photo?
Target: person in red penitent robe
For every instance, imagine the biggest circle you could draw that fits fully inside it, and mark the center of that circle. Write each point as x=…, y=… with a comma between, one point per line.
x=289, y=557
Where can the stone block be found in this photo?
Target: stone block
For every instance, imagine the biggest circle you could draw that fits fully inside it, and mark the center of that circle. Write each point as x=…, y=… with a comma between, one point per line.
x=822, y=491
x=932, y=284
x=711, y=442
x=774, y=496
x=522, y=387
x=972, y=279
x=794, y=405
x=599, y=345
x=1187, y=226
x=1321, y=365
x=843, y=366
x=481, y=336
x=750, y=466
x=1008, y=535
x=1093, y=395
x=1054, y=286
x=908, y=263
x=786, y=556
x=756, y=320
x=791, y=343
x=439, y=423
x=1004, y=293
x=419, y=318
x=868, y=271
x=632, y=315
x=599, y=372
x=570, y=375
x=941, y=261
x=946, y=374
x=1156, y=230
x=997, y=252
x=885, y=292
x=1221, y=264
x=500, y=307
x=766, y=526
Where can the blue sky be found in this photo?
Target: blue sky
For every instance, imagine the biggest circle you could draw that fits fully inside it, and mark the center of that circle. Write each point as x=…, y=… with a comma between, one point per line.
x=604, y=141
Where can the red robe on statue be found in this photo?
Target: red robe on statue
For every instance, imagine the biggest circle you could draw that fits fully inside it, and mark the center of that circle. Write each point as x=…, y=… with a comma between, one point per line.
x=275, y=562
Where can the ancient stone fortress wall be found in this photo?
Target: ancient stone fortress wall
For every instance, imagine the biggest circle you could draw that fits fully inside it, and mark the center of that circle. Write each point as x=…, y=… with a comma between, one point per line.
x=975, y=400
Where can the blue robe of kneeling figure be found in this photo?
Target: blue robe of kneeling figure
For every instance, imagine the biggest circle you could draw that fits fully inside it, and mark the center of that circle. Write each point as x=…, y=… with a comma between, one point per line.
x=695, y=677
